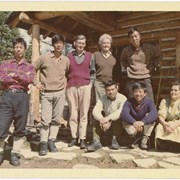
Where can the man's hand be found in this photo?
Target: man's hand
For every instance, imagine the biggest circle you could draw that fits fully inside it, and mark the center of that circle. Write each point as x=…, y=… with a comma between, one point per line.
x=138, y=125
x=104, y=120
x=40, y=86
x=106, y=126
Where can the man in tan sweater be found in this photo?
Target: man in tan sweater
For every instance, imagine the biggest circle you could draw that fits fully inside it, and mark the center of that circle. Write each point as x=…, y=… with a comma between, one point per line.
x=53, y=68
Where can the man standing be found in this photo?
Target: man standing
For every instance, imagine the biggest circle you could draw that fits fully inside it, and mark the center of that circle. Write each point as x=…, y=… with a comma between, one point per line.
x=53, y=68
x=139, y=60
x=15, y=75
x=80, y=79
x=107, y=115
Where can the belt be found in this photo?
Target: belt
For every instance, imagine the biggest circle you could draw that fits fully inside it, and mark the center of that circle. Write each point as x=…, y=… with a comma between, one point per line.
x=14, y=90
x=51, y=91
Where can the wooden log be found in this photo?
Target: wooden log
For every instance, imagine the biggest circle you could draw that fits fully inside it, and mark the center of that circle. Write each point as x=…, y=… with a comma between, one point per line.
x=35, y=55
x=153, y=17
x=178, y=56
x=25, y=18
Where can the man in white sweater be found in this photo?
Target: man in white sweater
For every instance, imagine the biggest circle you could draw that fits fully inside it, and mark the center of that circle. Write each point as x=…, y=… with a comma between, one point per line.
x=107, y=113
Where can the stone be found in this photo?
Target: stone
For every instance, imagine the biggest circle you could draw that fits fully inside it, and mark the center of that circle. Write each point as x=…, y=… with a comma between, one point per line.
x=61, y=145
x=92, y=155
x=146, y=163
x=105, y=148
x=167, y=165
x=60, y=155
x=27, y=153
x=84, y=166
x=173, y=160
x=121, y=157
x=70, y=148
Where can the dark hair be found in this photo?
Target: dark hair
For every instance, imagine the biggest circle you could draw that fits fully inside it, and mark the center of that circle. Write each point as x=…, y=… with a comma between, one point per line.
x=109, y=83
x=56, y=38
x=132, y=30
x=19, y=40
x=80, y=37
x=139, y=85
x=176, y=83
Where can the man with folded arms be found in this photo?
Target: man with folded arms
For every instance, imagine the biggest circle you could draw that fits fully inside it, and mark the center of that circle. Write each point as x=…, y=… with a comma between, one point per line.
x=15, y=75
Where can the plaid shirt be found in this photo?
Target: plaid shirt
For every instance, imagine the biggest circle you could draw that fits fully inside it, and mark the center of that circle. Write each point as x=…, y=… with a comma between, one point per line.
x=14, y=75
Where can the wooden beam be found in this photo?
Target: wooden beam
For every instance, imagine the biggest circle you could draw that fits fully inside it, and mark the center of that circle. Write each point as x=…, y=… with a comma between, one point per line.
x=25, y=18
x=93, y=23
x=49, y=15
x=35, y=55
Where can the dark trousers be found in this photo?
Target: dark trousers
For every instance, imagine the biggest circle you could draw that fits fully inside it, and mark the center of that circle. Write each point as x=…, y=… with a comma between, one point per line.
x=13, y=107
x=114, y=130
x=147, y=82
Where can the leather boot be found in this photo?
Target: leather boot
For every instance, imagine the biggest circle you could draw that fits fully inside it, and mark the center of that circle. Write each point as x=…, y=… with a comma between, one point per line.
x=114, y=143
x=94, y=146
x=51, y=145
x=1, y=159
x=43, y=148
x=144, y=143
x=82, y=144
x=73, y=142
x=15, y=159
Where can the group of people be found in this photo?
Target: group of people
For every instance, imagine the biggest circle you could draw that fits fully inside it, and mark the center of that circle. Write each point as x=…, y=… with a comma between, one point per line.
x=72, y=78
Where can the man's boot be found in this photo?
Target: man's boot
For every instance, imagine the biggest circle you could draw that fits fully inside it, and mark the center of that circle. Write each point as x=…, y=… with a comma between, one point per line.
x=51, y=145
x=1, y=158
x=15, y=159
x=82, y=144
x=43, y=148
x=73, y=142
x=94, y=146
x=114, y=143
x=144, y=143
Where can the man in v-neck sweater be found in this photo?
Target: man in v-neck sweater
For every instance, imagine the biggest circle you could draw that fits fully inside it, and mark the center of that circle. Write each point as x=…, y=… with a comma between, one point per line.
x=53, y=68
x=80, y=79
x=140, y=60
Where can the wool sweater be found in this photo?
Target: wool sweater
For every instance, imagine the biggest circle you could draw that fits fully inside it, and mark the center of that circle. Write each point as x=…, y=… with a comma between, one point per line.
x=104, y=67
x=145, y=111
x=52, y=73
x=79, y=74
x=139, y=63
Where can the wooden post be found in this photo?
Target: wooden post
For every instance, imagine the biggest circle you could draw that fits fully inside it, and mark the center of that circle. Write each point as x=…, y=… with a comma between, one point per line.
x=178, y=56
x=35, y=55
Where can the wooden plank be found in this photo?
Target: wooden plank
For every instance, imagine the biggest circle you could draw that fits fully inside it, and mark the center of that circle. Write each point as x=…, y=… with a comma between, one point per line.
x=25, y=18
x=83, y=18
x=152, y=18
x=178, y=56
x=138, y=15
x=48, y=15
x=168, y=44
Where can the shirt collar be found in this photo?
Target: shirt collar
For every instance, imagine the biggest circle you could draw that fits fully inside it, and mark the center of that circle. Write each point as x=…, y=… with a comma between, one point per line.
x=107, y=54
x=52, y=55
x=23, y=61
x=112, y=99
x=76, y=54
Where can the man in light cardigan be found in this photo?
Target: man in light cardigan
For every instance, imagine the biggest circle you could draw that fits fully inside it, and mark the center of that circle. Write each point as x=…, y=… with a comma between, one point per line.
x=107, y=115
